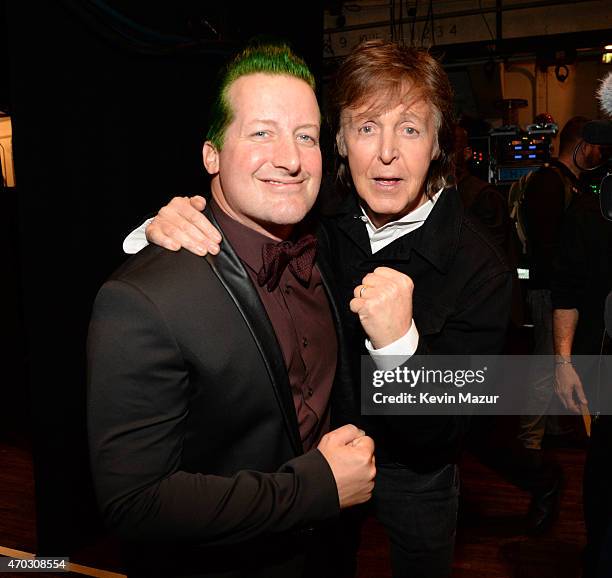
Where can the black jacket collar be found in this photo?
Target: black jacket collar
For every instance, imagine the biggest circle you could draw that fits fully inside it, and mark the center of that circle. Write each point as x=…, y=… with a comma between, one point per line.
x=437, y=240
x=234, y=277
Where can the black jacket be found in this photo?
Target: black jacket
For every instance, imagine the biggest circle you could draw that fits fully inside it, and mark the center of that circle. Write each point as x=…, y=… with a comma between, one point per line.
x=461, y=304
x=544, y=205
x=195, y=449
x=582, y=273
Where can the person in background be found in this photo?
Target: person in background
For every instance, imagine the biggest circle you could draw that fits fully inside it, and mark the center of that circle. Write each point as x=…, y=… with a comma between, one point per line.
x=548, y=193
x=581, y=280
x=479, y=197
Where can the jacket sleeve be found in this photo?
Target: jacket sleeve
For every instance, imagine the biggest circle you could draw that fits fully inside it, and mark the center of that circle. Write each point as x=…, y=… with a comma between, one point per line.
x=138, y=404
x=479, y=323
x=569, y=282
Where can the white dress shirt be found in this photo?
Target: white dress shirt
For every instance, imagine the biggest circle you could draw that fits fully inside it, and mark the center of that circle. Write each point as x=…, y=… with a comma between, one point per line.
x=398, y=352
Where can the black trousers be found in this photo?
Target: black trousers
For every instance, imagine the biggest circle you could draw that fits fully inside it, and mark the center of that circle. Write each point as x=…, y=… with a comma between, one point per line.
x=419, y=514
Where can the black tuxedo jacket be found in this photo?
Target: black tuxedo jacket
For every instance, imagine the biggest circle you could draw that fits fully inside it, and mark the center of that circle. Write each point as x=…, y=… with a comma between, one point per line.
x=195, y=448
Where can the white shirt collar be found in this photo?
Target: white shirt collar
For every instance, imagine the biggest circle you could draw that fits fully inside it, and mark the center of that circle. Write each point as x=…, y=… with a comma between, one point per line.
x=393, y=230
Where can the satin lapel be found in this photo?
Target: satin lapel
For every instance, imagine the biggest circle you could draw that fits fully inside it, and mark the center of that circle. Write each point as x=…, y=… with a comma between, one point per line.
x=235, y=279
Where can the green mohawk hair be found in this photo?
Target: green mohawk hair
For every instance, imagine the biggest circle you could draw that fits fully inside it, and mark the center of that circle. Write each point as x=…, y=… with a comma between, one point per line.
x=266, y=59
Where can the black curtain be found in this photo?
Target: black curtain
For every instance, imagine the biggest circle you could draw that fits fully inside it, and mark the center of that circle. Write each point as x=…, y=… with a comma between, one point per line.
x=109, y=103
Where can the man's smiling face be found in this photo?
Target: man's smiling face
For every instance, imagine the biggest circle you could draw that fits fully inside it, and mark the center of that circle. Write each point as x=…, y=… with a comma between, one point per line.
x=268, y=172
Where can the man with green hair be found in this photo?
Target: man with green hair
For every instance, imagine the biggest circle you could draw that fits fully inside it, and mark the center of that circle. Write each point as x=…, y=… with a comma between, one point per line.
x=210, y=379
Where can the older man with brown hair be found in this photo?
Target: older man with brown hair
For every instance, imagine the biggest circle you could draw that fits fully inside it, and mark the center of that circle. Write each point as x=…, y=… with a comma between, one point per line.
x=400, y=229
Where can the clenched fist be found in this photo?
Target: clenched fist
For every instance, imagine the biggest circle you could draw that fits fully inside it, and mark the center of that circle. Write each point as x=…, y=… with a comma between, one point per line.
x=383, y=302
x=350, y=454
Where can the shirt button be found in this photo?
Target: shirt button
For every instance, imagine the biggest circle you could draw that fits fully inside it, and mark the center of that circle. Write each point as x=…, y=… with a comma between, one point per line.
x=287, y=289
x=305, y=342
x=310, y=392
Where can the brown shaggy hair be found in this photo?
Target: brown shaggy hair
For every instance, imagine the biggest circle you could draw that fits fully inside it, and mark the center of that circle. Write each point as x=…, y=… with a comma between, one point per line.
x=393, y=73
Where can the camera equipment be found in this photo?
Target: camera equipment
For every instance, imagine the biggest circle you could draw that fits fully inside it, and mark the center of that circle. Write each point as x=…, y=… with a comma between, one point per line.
x=599, y=132
x=478, y=163
x=605, y=196
x=514, y=152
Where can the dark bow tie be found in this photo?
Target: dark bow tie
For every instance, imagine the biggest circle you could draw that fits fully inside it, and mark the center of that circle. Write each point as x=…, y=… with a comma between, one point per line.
x=298, y=256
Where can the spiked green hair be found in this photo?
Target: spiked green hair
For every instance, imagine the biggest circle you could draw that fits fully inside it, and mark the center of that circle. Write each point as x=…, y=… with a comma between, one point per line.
x=265, y=58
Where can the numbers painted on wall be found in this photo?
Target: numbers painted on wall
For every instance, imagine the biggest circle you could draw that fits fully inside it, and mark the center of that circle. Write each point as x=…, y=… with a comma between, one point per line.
x=338, y=43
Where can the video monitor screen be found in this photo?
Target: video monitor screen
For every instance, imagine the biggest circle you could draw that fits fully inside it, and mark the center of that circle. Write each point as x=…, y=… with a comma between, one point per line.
x=528, y=148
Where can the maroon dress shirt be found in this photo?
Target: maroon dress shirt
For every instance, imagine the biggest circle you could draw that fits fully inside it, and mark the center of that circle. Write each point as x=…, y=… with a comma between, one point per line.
x=302, y=320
